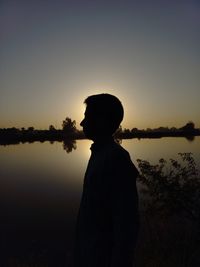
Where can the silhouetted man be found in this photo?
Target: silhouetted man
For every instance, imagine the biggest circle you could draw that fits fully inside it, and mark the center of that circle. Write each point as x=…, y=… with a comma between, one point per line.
x=107, y=222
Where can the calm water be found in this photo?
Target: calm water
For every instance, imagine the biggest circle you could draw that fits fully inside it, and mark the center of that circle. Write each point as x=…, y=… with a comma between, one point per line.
x=41, y=183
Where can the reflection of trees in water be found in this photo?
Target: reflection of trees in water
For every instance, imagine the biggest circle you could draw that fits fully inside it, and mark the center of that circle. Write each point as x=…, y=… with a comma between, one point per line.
x=69, y=145
x=190, y=138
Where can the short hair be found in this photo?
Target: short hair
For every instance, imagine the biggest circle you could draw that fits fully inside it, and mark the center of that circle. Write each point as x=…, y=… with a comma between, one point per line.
x=107, y=106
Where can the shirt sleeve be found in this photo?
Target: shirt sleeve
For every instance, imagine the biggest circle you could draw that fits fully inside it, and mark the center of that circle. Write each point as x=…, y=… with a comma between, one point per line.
x=124, y=210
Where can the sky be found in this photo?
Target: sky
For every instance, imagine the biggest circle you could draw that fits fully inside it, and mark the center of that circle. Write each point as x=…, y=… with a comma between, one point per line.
x=53, y=54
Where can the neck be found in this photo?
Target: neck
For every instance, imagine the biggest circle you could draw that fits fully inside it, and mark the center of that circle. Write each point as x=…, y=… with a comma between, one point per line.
x=103, y=139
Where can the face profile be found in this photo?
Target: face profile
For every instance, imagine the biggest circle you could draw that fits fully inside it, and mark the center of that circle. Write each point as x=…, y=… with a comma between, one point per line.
x=89, y=124
x=103, y=115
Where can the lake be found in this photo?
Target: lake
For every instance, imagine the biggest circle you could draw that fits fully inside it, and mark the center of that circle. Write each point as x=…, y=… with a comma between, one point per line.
x=40, y=190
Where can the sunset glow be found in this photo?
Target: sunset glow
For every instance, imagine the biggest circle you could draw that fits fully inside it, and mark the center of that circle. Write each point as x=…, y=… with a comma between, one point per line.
x=53, y=56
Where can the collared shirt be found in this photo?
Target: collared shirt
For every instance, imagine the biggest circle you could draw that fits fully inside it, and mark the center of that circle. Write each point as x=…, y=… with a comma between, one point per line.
x=107, y=223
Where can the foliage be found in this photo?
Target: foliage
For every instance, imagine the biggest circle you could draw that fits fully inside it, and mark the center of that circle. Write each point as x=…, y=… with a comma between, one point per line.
x=189, y=126
x=69, y=145
x=171, y=188
x=69, y=126
x=31, y=129
x=52, y=128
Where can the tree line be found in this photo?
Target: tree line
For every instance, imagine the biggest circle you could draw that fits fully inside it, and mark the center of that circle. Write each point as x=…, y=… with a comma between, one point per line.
x=69, y=131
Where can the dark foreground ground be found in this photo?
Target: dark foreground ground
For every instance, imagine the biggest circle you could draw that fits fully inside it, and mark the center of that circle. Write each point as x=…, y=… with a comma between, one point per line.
x=47, y=242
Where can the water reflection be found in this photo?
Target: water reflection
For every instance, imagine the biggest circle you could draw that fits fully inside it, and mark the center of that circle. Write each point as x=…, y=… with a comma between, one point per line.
x=69, y=145
x=190, y=138
x=40, y=189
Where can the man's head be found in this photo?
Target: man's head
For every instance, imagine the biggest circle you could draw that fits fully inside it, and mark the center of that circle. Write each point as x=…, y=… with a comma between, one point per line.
x=103, y=115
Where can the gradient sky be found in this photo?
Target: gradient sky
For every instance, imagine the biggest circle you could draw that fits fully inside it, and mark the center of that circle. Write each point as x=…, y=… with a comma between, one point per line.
x=53, y=54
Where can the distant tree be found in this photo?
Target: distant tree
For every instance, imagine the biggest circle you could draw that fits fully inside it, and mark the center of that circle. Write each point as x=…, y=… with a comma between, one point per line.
x=30, y=129
x=126, y=131
x=69, y=126
x=52, y=128
x=134, y=130
x=149, y=130
x=189, y=126
x=162, y=129
x=173, y=129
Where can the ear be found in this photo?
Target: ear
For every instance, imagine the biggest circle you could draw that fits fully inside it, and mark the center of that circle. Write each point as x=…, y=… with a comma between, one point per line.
x=104, y=125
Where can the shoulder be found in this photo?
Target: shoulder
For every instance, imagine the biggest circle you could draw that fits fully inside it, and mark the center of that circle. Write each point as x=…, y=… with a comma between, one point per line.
x=117, y=152
x=120, y=159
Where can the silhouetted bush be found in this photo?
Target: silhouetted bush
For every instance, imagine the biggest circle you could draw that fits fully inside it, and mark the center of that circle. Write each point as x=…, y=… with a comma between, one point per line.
x=170, y=213
x=172, y=187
